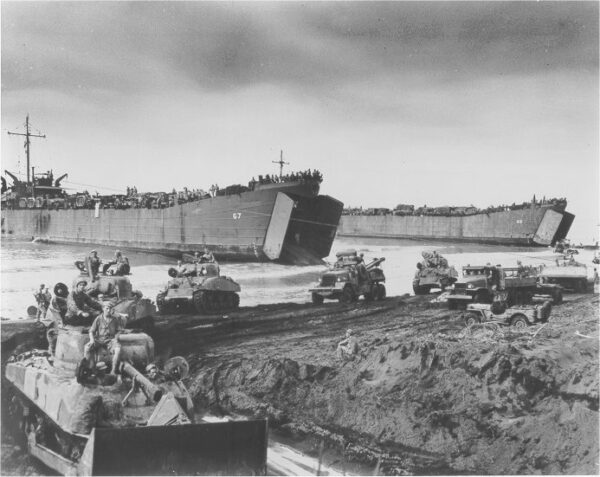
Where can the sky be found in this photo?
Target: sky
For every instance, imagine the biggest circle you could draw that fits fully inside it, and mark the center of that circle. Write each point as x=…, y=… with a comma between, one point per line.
x=436, y=103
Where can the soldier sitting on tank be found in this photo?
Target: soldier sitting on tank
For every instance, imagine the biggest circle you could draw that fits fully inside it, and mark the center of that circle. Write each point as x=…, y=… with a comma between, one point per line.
x=94, y=263
x=121, y=262
x=182, y=269
x=207, y=256
x=42, y=297
x=104, y=335
x=81, y=308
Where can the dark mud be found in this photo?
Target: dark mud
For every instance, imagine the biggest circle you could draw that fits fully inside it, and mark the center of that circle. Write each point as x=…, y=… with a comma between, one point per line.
x=424, y=395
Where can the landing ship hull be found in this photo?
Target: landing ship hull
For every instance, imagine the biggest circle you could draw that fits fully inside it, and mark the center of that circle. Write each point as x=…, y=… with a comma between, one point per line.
x=536, y=226
x=284, y=223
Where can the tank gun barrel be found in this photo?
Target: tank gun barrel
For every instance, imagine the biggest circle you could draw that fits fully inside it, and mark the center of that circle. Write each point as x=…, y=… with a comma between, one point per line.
x=150, y=389
x=374, y=263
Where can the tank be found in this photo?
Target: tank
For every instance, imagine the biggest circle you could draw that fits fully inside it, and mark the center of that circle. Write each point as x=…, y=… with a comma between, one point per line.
x=80, y=420
x=433, y=272
x=203, y=291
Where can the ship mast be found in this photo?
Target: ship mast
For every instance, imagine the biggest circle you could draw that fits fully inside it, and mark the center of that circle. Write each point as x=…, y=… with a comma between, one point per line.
x=281, y=163
x=27, y=142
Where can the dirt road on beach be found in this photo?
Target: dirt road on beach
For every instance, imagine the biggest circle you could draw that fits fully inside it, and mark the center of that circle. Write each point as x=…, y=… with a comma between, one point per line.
x=424, y=394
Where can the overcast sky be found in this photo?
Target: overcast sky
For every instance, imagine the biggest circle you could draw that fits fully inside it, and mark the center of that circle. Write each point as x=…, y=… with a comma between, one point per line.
x=445, y=103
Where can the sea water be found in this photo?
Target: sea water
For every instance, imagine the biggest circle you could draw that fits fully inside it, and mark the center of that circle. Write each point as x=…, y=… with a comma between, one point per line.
x=26, y=265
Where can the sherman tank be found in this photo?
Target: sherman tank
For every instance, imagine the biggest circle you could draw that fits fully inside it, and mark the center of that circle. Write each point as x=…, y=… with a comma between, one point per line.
x=204, y=290
x=433, y=272
x=78, y=419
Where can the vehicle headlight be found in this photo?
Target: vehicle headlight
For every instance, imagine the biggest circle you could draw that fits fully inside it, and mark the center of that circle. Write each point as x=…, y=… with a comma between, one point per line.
x=470, y=285
x=341, y=279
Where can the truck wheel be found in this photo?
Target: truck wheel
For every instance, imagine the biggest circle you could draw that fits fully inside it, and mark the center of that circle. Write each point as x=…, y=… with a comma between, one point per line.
x=519, y=321
x=347, y=295
x=472, y=319
x=381, y=291
x=370, y=295
x=317, y=299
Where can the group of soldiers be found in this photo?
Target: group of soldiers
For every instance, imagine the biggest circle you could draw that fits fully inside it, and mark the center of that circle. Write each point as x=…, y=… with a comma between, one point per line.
x=119, y=261
x=308, y=175
x=195, y=267
x=78, y=308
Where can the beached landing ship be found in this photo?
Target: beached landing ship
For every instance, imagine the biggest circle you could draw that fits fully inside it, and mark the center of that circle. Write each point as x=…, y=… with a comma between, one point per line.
x=78, y=420
x=537, y=223
x=281, y=218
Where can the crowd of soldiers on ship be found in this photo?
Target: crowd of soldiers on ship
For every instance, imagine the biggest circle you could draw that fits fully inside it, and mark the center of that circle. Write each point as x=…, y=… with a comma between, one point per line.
x=446, y=211
x=133, y=199
x=302, y=176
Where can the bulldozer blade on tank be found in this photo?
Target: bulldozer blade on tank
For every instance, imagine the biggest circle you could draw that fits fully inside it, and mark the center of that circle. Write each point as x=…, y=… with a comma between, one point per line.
x=221, y=448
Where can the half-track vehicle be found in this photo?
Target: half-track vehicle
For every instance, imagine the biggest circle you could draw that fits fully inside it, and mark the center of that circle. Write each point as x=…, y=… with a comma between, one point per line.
x=350, y=278
x=78, y=419
x=567, y=273
x=205, y=291
x=433, y=272
x=518, y=316
x=515, y=285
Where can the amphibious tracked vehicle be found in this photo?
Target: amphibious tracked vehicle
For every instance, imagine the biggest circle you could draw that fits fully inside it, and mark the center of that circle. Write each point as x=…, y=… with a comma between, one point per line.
x=79, y=420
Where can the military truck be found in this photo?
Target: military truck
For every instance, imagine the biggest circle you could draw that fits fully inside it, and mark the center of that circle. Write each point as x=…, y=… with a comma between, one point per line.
x=567, y=273
x=519, y=316
x=78, y=419
x=204, y=291
x=517, y=285
x=433, y=272
x=350, y=278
